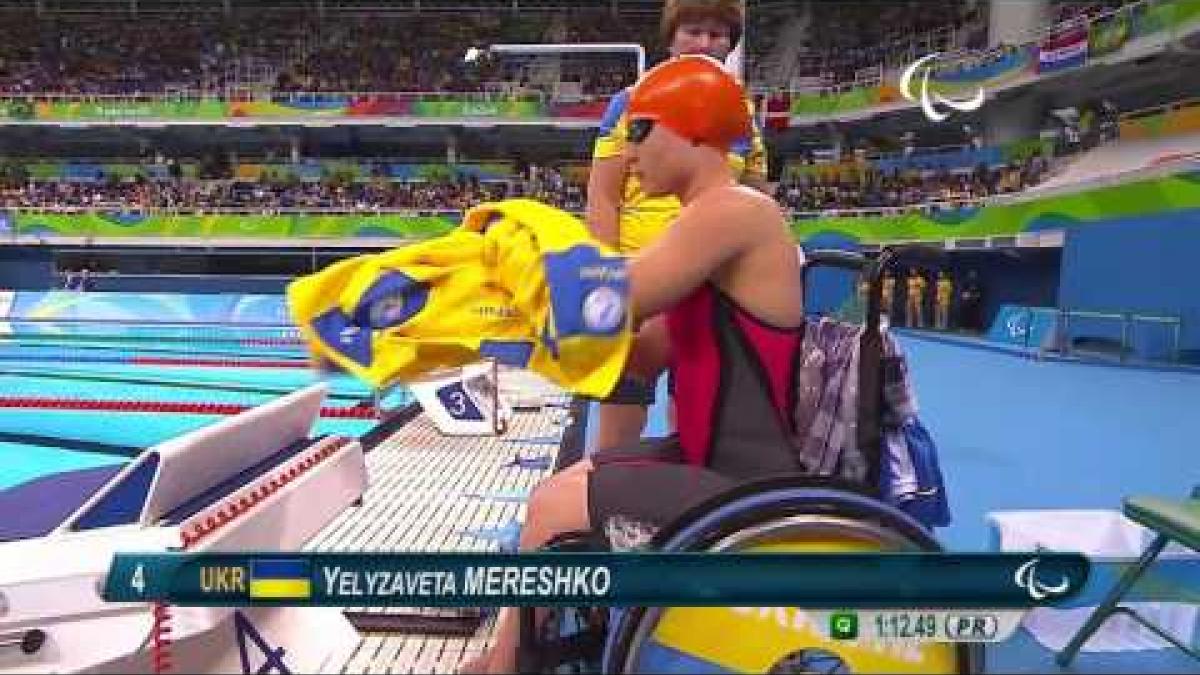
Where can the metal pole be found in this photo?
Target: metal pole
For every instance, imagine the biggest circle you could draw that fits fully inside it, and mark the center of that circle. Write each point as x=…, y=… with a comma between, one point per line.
x=1175, y=325
x=550, y=48
x=1066, y=333
x=1126, y=319
x=1178, y=330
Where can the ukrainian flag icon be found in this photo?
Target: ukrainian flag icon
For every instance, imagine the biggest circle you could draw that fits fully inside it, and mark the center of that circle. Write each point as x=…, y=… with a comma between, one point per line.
x=288, y=579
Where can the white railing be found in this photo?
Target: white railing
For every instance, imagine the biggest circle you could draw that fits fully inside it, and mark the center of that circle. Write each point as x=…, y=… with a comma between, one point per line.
x=1159, y=109
x=883, y=211
x=417, y=212
x=917, y=153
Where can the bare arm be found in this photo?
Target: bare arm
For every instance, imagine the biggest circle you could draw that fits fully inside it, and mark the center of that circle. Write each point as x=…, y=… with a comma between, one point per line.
x=605, y=186
x=705, y=237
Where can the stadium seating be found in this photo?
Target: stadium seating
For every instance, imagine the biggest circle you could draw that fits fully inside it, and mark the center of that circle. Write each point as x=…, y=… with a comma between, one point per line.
x=246, y=52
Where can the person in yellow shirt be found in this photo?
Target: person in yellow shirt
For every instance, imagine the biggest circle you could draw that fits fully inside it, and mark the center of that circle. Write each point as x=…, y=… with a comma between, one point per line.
x=945, y=291
x=622, y=215
x=887, y=304
x=915, y=300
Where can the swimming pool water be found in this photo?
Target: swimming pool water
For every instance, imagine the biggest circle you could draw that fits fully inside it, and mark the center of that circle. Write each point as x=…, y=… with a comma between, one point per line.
x=20, y=463
x=39, y=372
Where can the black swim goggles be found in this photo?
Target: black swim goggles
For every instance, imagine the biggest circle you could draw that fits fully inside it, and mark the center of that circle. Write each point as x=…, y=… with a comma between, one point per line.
x=639, y=129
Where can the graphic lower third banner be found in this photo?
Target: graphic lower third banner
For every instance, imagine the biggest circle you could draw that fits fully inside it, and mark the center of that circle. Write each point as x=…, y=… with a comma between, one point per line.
x=658, y=579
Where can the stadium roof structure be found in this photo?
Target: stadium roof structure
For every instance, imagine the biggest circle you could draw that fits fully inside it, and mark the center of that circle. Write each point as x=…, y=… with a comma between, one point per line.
x=326, y=6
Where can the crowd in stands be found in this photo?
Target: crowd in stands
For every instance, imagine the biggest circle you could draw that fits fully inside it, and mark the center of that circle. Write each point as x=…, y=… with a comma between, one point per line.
x=208, y=53
x=211, y=53
x=858, y=186
x=823, y=187
x=1063, y=12
x=847, y=38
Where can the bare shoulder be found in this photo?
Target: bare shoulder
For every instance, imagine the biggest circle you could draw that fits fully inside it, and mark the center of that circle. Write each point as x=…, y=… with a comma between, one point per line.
x=742, y=206
x=761, y=206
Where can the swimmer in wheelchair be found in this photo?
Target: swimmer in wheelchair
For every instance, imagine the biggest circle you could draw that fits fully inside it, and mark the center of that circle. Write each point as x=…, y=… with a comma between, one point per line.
x=725, y=277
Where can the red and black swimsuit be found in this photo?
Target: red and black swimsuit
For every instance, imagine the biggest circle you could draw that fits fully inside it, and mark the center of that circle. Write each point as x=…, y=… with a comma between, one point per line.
x=732, y=378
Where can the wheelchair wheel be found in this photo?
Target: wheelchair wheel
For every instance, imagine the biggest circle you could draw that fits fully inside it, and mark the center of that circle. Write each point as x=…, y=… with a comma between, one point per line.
x=777, y=516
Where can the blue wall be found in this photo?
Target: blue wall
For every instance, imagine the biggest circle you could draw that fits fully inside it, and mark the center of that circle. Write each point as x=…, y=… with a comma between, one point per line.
x=32, y=269
x=1019, y=277
x=27, y=269
x=1148, y=264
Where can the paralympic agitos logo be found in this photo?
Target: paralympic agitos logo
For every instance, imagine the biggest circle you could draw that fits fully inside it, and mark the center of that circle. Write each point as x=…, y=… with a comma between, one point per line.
x=931, y=100
x=1026, y=577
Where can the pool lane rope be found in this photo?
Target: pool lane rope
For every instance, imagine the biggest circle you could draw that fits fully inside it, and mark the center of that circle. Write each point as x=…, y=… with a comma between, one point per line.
x=361, y=411
x=108, y=347
x=225, y=363
x=164, y=360
x=87, y=376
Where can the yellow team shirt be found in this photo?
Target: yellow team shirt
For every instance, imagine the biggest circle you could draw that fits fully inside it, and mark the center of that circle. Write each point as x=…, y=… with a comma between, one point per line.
x=944, y=289
x=644, y=218
x=916, y=286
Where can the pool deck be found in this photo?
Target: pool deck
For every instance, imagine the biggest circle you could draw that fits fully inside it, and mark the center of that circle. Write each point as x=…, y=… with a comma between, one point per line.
x=430, y=492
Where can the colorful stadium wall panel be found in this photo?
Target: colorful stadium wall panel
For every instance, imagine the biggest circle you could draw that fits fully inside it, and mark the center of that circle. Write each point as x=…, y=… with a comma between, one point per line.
x=298, y=106
x=306, y=171
x=244, y=225
x=1062, y=212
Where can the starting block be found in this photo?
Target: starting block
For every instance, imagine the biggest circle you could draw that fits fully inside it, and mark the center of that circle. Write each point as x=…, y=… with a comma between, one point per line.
x=465, y=401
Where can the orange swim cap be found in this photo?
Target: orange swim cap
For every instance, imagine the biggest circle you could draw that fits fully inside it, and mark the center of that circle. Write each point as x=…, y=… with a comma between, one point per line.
x=694, y=97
